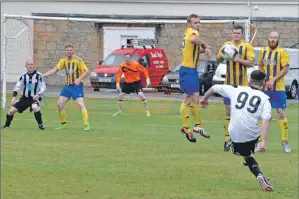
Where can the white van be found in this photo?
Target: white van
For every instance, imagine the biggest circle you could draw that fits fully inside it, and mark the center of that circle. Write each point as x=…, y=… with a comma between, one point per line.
x=291, y=78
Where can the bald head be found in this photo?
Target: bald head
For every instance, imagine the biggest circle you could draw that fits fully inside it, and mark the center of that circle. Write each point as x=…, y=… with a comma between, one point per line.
x=274, y=34
x=30, y=65
x=273, y=39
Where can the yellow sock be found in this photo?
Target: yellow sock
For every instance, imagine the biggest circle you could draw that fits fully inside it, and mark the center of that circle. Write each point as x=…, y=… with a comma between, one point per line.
x=185, y=110
x=62, y=116
x=226, y=123
x=85, y=117
x=283, y=124
x=260, y=123
x=196, y=114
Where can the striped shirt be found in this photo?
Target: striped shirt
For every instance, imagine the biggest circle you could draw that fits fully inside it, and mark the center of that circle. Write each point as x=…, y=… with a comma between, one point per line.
x=273, y=61
x=32, y=83
x=236, y=73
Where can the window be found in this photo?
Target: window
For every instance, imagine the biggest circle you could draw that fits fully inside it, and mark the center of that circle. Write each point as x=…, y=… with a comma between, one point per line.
x=116, y=59
x=144, y=61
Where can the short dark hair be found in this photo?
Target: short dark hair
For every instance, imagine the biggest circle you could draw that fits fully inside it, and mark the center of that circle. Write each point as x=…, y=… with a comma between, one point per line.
x=69, y=46
x=257, y=77
x=192, y=16
x=238, y=27
x=128, y=54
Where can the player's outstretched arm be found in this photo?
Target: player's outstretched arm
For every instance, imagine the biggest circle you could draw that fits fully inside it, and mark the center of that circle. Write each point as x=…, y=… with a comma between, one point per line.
x=145, y=72
x=198, y=41
x=42, y=86
x=50, y=72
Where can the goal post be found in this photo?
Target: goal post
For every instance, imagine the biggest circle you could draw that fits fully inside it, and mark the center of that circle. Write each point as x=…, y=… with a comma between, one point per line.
x=43, y=39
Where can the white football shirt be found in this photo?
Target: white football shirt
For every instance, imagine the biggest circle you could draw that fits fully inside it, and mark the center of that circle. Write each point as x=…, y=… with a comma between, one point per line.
x=248, y=107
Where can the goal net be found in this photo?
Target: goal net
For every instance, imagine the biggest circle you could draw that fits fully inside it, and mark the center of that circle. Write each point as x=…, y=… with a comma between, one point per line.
x=94, y=40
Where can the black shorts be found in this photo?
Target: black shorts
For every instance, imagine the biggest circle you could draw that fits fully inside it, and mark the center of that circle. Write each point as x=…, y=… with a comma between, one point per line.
x=25, y=103
x=244, y=149
x=132, y=87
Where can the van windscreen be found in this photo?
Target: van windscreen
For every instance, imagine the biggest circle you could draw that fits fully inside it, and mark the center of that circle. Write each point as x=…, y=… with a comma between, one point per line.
x=116, y=59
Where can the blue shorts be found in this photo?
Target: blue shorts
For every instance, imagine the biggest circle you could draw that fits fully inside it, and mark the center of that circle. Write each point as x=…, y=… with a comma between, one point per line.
x=278, y=99
x=72, y=91
x=189, y=80
x=226, y=100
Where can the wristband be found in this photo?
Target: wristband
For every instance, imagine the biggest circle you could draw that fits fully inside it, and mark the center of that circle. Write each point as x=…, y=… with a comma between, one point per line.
x=14, y=94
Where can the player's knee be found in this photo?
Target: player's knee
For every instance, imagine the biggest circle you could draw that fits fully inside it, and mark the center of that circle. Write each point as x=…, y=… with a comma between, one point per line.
x=12, y=111
x=141, y=96
x=121, y=97
x=187, y=100
x=60, y=105
x=35, y=107
x=281, y=113
x=250, y=161
x=195, y=98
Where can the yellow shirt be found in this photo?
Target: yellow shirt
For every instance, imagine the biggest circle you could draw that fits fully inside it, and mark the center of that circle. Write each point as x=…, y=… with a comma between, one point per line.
x=74, y=68
x=273, y=61
x=236, y=73
x=190, y=51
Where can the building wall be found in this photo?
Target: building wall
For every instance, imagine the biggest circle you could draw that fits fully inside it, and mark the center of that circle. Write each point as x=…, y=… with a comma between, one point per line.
x=51, y=37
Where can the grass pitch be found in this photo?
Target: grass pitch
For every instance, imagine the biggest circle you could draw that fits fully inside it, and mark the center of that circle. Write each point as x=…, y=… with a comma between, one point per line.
x=132, y=156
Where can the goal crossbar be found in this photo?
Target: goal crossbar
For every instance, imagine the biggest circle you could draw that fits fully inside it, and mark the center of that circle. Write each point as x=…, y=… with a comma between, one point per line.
x=107, y=20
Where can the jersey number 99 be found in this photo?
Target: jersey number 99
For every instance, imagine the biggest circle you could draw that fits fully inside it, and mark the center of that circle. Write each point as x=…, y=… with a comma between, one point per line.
x=254, y=102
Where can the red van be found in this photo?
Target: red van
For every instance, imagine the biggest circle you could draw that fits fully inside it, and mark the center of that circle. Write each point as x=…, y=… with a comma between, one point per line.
x=154, y=59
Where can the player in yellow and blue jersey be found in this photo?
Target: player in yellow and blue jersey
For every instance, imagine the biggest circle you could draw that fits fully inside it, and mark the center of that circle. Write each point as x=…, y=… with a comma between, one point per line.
x=236, y=72
x=275, y=62
x=191, y=47
x=76, y=71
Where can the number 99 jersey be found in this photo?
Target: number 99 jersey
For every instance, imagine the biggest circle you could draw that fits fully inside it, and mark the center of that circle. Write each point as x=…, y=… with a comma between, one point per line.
x=248, y=106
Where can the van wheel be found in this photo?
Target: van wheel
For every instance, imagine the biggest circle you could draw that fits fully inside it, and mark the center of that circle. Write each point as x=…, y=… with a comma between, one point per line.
x=292, y=93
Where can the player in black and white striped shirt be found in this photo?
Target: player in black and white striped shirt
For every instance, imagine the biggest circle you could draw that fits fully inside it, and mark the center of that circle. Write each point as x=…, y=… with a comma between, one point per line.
x=34, y=87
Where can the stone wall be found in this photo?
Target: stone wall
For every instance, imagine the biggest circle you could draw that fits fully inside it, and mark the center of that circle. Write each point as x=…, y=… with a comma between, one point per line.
x=50, y=37
x=217, y=34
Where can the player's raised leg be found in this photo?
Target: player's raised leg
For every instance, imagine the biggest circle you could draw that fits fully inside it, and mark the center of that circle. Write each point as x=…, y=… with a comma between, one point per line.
x=195, y=110
x=255, y=170
x=38, y=115
x=246, y=150
x=185, y=117
x=142, y=98
x=62, y=100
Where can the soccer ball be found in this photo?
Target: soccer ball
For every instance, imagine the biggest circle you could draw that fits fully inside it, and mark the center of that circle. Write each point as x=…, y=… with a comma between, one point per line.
x=229, y=52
